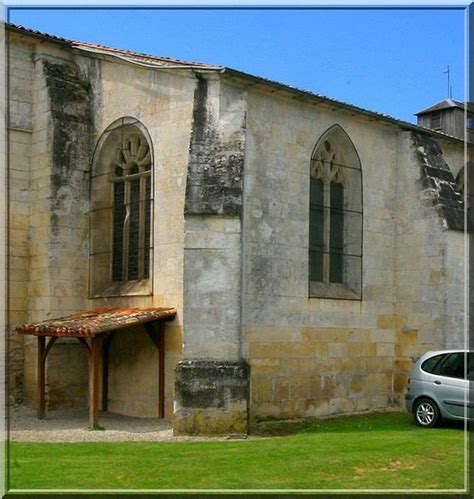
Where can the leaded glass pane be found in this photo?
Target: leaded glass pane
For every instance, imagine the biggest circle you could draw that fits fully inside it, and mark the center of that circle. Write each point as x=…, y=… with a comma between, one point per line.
x=316, y=266
x=316, y=230
x=134, y=230
x=336, y=238
x=118, y=220
x=146, y=263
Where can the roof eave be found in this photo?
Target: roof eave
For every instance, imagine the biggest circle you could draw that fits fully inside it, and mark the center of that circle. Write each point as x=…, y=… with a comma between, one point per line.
x=338, y=104
x=40, y=36
x=440, y=106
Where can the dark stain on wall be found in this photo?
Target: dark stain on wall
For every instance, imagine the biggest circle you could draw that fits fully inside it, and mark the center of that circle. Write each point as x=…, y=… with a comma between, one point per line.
x=215, y=171
x=438, y=181
x=206, y=384
x=71, y=114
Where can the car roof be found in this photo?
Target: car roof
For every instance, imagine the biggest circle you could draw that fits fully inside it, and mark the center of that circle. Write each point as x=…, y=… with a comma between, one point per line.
x=438, y=352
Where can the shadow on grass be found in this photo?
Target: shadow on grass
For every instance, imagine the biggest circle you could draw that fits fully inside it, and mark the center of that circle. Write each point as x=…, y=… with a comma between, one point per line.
x=398, y=421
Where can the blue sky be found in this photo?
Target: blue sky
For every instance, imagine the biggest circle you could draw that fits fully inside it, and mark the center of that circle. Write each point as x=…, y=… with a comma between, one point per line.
x=386, y=60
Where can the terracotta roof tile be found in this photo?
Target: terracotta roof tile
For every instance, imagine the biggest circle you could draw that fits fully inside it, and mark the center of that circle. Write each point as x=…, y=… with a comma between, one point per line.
x=136, y=57
x=146, y=58
x=127, y=54
x=90, y=323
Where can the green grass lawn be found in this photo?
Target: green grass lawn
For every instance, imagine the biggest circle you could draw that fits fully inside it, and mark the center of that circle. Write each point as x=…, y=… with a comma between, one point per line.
x=379, y=451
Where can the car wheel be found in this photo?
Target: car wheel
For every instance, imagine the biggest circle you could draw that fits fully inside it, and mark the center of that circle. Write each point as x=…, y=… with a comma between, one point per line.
x=426, y=413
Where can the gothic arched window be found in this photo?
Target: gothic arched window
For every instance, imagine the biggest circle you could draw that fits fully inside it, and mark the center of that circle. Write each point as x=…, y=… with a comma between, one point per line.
x=335, y=218
x=121, y=211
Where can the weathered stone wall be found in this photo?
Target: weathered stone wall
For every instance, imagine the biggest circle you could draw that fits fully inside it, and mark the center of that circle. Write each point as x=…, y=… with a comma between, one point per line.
x=212, y=262
x=20, y=71
x=313, y=357
x=74, y=98
x=455, y=330
x=133, y=374
x=430, y=254
x=230, y=245
x=211, y=397
x=47, y=145
x=58, y=231
x=163, y=103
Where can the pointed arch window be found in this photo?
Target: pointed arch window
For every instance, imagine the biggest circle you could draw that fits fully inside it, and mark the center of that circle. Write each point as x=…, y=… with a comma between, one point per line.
x=131, y=180
x=121, y=211
x=335, y=218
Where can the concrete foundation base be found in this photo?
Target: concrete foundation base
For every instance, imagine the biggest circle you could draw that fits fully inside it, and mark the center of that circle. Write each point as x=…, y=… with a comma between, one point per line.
x=211, y=397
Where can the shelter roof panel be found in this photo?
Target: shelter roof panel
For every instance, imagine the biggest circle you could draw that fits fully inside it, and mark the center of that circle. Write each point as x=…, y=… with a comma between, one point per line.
x=87, y=324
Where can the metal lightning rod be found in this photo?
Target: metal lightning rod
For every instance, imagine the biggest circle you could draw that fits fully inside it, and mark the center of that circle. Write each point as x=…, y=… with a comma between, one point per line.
x=448, y=72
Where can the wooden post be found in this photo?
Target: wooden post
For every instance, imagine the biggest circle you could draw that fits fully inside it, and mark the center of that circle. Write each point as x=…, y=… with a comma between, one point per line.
x=161, y=379
x=94, y=360
x=41, y=371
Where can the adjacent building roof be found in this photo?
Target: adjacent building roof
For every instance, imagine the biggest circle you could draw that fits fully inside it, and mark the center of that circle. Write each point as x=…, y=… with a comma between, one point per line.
x=169, y=63
x=444, y=104
x=90, y=323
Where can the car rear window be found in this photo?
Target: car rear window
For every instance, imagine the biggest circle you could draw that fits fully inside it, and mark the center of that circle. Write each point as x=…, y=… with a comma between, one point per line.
x=430, y=364
x=470, y=366
x=453, y=366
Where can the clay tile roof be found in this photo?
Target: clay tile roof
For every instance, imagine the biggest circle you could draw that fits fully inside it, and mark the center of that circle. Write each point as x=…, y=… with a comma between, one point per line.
x=90, y=323
x=129, y=55
x=166, y=62
x=140, y=57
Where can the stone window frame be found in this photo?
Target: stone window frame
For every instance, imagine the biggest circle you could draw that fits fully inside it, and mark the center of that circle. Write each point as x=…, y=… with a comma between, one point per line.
x=107, y=160
x=335, y=160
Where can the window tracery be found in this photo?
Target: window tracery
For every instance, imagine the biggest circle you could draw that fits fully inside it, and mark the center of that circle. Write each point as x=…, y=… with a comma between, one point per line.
x=121, y=211
x=131, y=209
x=335, y=232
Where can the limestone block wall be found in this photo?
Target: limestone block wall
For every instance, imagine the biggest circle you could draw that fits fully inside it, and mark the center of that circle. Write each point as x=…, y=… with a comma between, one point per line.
x=74, y=98
x=212, y=288
x=212, y=381
x=212, y=265
x=430, y=264
x=314, y=357
x=455, y=329
x=20, y=102
x=133, y=374
x=58, y=251
x=163, y=102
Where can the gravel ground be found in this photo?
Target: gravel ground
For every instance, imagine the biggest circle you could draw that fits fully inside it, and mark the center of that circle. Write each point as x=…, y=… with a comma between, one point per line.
x=71, y=426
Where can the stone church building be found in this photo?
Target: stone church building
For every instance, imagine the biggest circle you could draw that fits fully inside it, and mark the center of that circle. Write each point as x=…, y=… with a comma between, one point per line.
x=311, y=248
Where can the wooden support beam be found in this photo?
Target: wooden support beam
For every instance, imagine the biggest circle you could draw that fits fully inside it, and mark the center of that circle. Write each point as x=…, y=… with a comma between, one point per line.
x=94, y=360
x=41, y=371
x=86, y=345
x=49, y=345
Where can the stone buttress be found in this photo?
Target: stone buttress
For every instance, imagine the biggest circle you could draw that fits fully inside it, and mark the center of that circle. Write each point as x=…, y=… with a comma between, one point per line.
x=211, y=389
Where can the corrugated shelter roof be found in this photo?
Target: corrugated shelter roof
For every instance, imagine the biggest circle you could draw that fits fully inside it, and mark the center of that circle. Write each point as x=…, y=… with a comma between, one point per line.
x=444, y=104
x=169, y=63
x=87, y=324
